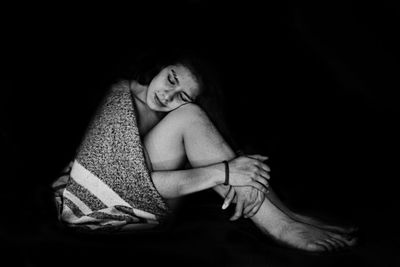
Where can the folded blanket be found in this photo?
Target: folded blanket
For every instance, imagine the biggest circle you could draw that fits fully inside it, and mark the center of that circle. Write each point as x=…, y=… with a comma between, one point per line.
x=108, y=185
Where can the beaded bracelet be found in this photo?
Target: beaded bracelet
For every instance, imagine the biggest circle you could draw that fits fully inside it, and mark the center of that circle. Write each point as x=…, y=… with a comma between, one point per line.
x=226, y=172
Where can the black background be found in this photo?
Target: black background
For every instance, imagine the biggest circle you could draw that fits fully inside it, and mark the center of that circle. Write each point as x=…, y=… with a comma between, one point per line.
x=313, y=86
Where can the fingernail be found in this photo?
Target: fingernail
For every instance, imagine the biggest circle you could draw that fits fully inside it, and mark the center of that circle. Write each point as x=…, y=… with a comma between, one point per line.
x=224, y=206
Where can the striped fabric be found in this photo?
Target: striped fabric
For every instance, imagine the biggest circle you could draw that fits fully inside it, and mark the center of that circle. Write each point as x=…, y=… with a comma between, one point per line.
x=115, y=214
x=108, y=186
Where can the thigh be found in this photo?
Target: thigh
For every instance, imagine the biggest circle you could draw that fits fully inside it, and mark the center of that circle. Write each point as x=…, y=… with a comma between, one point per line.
x=185, y=134
x=164, y=145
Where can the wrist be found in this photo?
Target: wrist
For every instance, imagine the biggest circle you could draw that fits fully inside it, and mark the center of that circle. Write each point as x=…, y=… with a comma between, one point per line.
x=226, y=165
x=218, y=173
x=224, y=173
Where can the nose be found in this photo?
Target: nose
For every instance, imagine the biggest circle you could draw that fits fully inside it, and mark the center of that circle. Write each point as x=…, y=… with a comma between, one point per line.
x=169, y=95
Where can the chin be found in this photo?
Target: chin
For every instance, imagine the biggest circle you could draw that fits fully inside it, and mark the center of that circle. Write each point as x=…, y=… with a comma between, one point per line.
x=153, y=106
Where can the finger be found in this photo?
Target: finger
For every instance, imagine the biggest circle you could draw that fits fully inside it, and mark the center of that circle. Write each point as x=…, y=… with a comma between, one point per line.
x=238, y=210
x=258, y=205
x=264, y=167
x=235, y=198
x=254, y=210
x=259, y=186
x=247, y=209
x=258, y=157
x=264, y=174
x=228, y=198
x=261, y=180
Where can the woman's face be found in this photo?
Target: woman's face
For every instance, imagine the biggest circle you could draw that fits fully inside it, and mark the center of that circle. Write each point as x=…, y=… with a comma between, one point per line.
x=173, y=87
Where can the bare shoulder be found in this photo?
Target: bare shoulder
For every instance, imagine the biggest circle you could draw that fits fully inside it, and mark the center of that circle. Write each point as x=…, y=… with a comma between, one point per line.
x=133, y=87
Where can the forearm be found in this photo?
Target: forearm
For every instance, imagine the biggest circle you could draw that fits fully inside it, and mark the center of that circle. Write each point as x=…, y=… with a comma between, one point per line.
x=172, y=184
x=221, y=190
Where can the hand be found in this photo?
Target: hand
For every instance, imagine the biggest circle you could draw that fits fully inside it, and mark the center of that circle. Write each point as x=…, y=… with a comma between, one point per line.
x=249, y=171
x=248, y=201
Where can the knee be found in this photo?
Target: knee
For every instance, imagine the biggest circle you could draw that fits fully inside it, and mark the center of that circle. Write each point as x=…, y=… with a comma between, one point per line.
x=187, y=114
x=187, y=118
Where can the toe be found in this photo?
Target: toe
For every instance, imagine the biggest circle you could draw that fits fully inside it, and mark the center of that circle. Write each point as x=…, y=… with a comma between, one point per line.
x=340, y=244
x=315, y=247
x=348, y=240
x=331, y=243
x=325, y=245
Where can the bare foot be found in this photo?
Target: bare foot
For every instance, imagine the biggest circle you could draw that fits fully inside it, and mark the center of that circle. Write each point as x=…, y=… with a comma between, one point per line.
x=308, y=219
x=320, y=224
x=274, y=222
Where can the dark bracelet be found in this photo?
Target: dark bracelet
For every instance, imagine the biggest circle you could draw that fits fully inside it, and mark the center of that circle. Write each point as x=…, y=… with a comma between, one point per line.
x=226, y=172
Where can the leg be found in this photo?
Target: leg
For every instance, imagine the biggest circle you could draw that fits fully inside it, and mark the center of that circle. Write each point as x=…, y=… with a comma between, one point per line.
x=308, y=220
x=187, y=134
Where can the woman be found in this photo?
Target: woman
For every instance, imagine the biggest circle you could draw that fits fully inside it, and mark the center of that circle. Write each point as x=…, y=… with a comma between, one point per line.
x=155, y=139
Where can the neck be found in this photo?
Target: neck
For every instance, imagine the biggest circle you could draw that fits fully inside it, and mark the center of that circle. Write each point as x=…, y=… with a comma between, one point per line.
x=139, y=91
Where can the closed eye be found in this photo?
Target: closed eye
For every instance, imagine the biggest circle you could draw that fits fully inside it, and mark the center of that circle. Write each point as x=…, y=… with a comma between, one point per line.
x=171, y=79
x=185, y=97
x=175, y=77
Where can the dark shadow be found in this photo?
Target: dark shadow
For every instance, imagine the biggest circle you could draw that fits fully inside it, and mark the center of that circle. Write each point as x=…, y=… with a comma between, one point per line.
x=314, y=88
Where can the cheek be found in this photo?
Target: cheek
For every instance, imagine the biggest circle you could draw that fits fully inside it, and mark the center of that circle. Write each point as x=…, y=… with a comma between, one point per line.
x=148, y=96
x=150, y=92
x=156, y=89
x=150, y=99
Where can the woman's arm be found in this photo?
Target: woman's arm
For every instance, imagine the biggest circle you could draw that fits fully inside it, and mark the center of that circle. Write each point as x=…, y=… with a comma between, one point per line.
x=173, y=184
x=243, y=171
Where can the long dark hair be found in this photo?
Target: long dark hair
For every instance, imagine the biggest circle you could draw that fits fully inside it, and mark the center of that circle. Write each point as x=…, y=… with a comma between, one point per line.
x=146, y=66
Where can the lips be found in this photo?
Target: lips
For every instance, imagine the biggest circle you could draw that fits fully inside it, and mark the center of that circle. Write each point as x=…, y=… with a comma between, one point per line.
x=158, y=101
